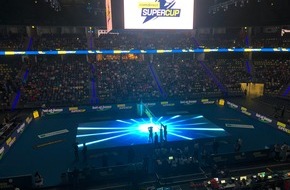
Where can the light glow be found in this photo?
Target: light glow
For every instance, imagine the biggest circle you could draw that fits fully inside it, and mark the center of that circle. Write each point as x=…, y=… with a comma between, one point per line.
x=135, y=131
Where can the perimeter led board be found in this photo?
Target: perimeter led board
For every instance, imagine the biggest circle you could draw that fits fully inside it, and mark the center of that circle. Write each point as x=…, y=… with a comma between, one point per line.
x=158, y=14
x=149, y=51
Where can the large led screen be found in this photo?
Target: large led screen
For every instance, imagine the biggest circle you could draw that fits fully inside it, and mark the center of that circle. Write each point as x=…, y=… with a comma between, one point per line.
x=158, y=14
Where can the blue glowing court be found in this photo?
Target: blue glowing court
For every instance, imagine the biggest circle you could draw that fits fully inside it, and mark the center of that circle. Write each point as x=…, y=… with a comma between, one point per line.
x=106, y=134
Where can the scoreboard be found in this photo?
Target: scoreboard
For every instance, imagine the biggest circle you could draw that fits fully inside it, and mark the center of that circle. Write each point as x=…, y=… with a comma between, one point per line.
x=160, y=14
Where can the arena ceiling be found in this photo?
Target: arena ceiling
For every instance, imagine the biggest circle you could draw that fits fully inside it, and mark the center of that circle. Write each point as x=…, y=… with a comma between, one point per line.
x=91, y=13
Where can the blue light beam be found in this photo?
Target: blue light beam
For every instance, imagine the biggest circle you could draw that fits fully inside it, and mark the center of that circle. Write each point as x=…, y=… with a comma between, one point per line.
x=123, y=121
x=101, y=140
x=101, y=128
x=173, y=117
x=190, y=124
x=201, y=129
x=98, y=134
x=181, y=136
x=159, y=119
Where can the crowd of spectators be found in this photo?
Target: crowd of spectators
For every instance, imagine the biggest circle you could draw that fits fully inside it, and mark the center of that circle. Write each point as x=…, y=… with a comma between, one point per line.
x=57, y=81
x=10, y=71
x=172, y=161
x=221, y=40
x=120, y=81
x=231, y=72
x=66, y=80
x=185, y=40
x=271, y=40
x=128, y=81
x=60, y=42
x=273, y=73
x=214, y=38
x=184, y=78
x=12, y=41
x=132, y=80
x=145, y=40
x=246, y=182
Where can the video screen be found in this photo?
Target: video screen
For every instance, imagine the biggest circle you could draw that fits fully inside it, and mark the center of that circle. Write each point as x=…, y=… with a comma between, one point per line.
x=158, y=14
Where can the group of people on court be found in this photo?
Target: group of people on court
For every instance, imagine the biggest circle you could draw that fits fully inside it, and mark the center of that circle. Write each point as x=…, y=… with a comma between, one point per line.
x=162, y=133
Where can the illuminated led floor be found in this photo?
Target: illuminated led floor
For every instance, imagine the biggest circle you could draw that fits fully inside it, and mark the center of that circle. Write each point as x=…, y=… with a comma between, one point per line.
x=107, y=134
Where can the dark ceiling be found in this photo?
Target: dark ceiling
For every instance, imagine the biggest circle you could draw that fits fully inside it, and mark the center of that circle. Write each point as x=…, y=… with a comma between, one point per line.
x=40, y=12
x=91, y=13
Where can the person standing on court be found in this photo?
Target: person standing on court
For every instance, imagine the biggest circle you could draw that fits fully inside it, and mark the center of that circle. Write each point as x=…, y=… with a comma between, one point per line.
x=161, y=134
x=85, y=150
x=238, y=145
x=156, y=139
x=165, y=132
x=150, y=130
x=76, y=151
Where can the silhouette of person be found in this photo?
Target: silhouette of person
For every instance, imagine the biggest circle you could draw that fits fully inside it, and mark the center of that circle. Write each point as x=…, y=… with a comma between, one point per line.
x=156, y=139
x=150, y=129
x=76, y=151
x=85, y=149
x=38, y=179
x=165, y=132
x=238, y=145
x=282, y=111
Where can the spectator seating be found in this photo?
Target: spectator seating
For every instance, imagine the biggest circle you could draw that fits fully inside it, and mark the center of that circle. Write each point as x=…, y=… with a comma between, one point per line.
x=12, y=42
x=231, y=72
x=273, y=73
x=10, y=70
x=60, y=42
x=116, y=81
x=183, y=78
x=124, y=82
x=57, y=82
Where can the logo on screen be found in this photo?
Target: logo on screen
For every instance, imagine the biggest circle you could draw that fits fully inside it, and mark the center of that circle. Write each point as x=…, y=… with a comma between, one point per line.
x=159, y=8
